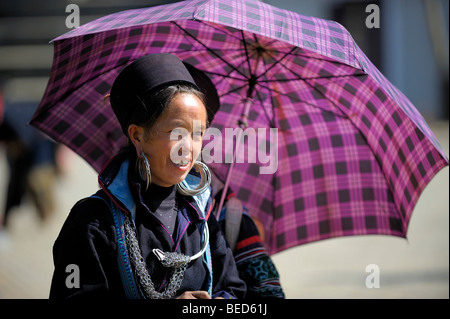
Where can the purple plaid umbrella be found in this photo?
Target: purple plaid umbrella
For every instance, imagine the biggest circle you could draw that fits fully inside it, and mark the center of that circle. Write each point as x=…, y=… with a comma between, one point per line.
x=353, y=154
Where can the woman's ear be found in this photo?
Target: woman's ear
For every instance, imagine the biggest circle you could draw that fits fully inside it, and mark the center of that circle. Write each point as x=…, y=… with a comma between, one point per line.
x=136, y=136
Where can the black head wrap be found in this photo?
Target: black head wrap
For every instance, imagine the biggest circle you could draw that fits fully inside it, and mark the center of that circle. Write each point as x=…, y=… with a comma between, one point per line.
x=146, y=75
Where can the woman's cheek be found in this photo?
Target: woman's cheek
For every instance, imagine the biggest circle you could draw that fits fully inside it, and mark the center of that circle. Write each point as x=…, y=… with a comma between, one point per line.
x=197, y=148
x=178, y=150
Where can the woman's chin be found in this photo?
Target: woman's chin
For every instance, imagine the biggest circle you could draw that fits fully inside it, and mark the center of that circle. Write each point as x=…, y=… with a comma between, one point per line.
x=175, y=174
x=178, y=178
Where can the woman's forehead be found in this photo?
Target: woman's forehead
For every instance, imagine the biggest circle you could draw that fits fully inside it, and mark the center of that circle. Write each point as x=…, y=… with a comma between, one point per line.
x=182, y=111
x=185, y=106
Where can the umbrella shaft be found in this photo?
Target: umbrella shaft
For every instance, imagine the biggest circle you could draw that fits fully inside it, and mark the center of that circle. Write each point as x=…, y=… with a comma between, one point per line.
x=242, y=124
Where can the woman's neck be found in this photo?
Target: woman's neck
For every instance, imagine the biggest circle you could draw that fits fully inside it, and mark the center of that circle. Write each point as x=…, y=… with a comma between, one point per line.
x=158, y=196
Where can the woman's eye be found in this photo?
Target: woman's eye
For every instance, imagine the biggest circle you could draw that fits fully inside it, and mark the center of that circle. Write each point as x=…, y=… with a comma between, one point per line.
x=177, y=134
x=197, y=135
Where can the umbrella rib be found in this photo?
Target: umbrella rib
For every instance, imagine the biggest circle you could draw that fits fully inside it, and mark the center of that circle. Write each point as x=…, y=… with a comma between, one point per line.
x=247, y=57
x=315, y=89
x=234, y=90
x=225, y=76
x=271, y=42
x=306, y=80
x=298, y=99
x=284, y=94
x=298, y=77
x=271, y=121
x=276, y=62
x=208, y=49
x=318, y=58
x=67, y=94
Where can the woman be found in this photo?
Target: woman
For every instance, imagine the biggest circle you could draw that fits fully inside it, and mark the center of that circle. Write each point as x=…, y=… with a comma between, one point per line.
x=145, y=233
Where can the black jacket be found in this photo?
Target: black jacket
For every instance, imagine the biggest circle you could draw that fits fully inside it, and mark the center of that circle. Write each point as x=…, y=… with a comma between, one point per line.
x=86, y=246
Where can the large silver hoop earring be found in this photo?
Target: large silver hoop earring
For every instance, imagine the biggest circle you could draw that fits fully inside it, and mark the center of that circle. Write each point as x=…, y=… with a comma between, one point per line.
x=205, y=181
x=144, y=169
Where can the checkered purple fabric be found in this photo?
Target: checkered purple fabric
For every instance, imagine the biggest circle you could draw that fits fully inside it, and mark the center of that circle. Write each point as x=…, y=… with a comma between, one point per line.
x=353, y=153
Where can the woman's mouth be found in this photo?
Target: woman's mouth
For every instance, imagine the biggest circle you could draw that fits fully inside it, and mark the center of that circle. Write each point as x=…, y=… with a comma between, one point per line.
x=182, y=163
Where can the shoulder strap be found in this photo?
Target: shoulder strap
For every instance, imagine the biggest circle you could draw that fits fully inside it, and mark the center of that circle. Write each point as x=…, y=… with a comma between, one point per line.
x=202, y=202
x=233, y=217
x=126, y=273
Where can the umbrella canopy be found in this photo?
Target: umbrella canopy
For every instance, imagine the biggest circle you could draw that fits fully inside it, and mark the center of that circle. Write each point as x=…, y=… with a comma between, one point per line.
x=352, y=153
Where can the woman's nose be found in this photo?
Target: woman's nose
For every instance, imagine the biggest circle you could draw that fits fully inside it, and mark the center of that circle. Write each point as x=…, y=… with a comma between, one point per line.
x=185, y=146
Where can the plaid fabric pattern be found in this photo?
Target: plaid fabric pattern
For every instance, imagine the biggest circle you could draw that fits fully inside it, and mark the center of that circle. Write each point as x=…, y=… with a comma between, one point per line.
x=353, y=152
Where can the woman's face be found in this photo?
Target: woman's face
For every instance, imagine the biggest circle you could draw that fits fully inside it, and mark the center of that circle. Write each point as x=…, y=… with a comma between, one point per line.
x=174, y=141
